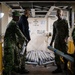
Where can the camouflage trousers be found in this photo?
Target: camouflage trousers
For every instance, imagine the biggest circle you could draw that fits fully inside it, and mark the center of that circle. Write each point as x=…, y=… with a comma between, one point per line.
x=23, y=57
x=11, y=59
x=22, y=60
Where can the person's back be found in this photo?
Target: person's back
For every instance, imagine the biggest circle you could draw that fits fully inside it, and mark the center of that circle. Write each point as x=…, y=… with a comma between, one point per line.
x=24, y=25
x=10, y=31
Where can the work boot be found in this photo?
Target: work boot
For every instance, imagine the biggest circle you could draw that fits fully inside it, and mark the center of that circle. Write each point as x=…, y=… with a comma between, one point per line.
x=58, y=70
x=9, y=73
x=16, y=70
x=13, y=73
x=23, y=71
x=4, y=73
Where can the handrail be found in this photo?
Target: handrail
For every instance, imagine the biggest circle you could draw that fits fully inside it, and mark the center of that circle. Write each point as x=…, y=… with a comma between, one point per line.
x=68, y=57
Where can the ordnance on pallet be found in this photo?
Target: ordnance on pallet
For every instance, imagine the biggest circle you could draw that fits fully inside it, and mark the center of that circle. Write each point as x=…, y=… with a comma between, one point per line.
x=39, y=57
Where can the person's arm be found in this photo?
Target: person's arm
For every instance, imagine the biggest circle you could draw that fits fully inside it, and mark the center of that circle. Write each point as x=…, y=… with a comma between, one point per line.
x=25, y=28
x=19, y=33
x=73, y=33
x=67, y=30
x=54, y=33
x=22, y=23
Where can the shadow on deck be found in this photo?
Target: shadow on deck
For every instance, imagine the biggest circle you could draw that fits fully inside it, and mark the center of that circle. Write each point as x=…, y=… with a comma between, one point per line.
x=41, y=70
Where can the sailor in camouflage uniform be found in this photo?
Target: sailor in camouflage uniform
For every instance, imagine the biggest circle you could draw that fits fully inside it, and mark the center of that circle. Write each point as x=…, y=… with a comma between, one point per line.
x=60, y=35
x=11, y=51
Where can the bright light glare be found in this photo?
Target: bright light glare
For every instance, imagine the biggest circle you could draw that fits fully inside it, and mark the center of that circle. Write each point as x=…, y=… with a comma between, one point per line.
x=1, y=15
x=33, y=12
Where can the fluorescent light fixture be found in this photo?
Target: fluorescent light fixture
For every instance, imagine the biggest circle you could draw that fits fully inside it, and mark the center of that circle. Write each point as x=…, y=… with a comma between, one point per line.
x=1, y=15
x=33, y=12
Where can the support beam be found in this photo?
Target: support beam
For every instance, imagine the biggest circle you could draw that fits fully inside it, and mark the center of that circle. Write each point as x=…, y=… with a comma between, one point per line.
x=50, y=10
x=65, y=7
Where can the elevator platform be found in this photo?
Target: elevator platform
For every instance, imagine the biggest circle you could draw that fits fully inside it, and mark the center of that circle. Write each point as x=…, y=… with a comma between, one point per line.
x=41, y=70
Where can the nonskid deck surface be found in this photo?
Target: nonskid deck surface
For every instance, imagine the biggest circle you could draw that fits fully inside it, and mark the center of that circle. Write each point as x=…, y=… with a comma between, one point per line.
x=41, y=70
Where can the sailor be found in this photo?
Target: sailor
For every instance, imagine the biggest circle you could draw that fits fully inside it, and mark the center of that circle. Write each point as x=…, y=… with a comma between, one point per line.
x=60, y=35
x=11, y=53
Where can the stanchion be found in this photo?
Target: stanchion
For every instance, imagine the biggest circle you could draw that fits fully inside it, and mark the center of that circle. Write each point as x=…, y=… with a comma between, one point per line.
x=0, y=58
